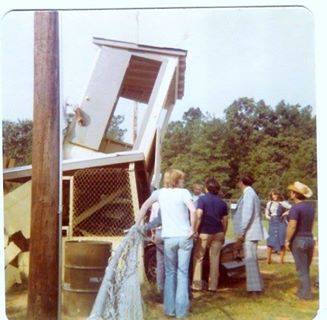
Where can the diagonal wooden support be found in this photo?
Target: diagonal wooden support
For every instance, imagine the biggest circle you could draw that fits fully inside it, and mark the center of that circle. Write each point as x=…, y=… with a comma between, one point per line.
x=106, y=200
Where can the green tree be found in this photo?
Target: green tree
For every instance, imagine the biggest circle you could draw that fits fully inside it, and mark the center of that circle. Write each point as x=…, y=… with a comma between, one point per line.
x=269, y=160
x=180, y=136
x=303, y=165
x=17, y=141
x=114, y=131
x=276, y=145
x=17, y=138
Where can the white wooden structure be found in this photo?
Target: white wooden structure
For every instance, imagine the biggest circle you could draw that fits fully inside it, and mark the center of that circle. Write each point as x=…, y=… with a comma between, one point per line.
x=145, y=74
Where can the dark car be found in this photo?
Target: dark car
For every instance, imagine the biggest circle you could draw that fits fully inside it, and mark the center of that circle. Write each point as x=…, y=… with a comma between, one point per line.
x=231, y=263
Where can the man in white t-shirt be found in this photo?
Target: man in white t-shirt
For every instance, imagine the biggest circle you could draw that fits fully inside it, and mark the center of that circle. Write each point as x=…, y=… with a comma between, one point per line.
x=178, y=228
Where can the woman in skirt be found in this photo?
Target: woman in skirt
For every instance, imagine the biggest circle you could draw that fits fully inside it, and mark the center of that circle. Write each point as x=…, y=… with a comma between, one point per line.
x=276, y=212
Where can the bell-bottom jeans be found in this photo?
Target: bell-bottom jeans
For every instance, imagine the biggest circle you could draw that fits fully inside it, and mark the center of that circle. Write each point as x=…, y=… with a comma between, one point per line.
x=177, y=251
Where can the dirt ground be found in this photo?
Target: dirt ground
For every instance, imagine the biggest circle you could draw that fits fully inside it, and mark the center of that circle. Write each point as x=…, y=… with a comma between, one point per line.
x=16, y=304
x=16, y=297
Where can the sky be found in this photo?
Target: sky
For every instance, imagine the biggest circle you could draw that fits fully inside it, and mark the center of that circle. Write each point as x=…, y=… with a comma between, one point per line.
x=260, y=53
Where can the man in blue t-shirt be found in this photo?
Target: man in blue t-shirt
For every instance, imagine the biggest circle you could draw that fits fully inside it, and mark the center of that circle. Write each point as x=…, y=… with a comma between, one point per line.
x=212, y=219
x=299, y=237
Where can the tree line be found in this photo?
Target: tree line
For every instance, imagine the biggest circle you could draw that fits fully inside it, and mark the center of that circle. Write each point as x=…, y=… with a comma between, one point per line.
x=17, y=137
x=275, y=145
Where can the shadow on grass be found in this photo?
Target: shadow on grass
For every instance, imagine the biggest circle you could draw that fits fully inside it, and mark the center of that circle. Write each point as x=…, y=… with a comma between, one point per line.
x=232, y=302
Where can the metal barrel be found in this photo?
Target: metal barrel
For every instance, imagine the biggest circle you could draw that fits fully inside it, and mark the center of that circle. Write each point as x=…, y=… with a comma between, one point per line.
x=84, y=268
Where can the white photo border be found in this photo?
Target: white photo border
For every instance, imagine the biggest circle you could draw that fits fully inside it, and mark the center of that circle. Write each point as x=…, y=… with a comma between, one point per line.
x=316, y=7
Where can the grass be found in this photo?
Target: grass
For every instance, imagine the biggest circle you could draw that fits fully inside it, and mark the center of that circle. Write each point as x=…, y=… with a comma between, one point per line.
x=279, y=301
x=232, y=302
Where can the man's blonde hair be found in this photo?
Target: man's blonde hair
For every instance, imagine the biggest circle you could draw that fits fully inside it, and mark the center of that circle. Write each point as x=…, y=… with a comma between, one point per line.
x=172, y=177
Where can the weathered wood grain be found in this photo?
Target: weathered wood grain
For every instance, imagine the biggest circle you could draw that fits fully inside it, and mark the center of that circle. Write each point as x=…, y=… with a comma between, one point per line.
x=44, y=241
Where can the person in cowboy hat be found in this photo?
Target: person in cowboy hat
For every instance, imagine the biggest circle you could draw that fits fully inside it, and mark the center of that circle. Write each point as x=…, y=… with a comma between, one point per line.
x=299, y=237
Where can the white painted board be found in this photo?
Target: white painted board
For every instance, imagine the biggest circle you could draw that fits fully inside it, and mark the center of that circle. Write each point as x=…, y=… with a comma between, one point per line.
x=6, y=239
x=12, y=276
x=17, y=210
x=156, y=103
x=23, y=263
x=11, y=252
x=101, y=97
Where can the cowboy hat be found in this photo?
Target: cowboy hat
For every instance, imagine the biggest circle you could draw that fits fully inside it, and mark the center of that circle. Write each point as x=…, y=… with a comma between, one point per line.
x=300, y=188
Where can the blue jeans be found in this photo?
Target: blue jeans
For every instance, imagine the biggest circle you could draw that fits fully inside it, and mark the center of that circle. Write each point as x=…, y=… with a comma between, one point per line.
x=177, y=261
x=302, y=250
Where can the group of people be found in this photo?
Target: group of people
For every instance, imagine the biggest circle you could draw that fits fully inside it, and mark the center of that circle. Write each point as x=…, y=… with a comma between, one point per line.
x=180, y=221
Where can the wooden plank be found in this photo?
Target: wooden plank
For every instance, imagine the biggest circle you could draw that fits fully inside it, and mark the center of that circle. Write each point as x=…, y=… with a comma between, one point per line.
x=17, y=210
x=71, y=208
x=173, y=91
x=23, y=172
x=143, y=72
x=144, y=82
x=73, y=151
x=20, y=241
x=11, y=252
x=136, y=94
x=150, y=159
x=132, y=182
x=111, y=146
x=136, y=208
x=149, y=110
x=139, y=48
x=8, y=163
x=157, y=161
x=70, y=165
x=166, y=121
x=23, y=264
x=101, y=97
x=11, y=163
x=142, y=63
x=103, y=160
x=5, y=161
x=12, y=276
x=6, y=239
x=43, y=284
x=156, y=103
x=87, y=213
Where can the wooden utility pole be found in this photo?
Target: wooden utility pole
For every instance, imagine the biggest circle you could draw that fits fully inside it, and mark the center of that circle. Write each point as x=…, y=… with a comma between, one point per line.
x=43, y=283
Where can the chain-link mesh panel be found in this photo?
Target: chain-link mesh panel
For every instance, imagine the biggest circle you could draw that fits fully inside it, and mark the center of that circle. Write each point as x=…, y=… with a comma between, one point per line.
x=102, y=202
